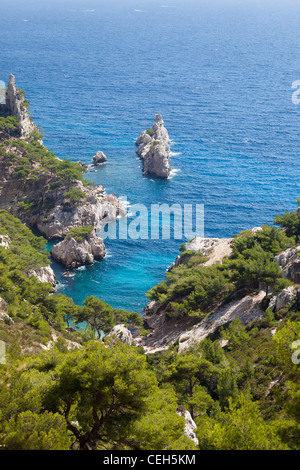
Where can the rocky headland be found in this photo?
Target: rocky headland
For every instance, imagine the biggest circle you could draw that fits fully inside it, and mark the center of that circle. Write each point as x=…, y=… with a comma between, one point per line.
x=166, y=329
x=47, y=193
x=154, y=149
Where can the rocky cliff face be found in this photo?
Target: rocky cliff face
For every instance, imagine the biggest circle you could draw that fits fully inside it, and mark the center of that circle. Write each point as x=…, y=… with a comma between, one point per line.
x=289, y=261
x=154, y=149
x=52, y=211
x=97, y=207
x=44, y=274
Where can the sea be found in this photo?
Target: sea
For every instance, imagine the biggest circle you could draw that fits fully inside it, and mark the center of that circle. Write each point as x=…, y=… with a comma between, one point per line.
x=224, y=76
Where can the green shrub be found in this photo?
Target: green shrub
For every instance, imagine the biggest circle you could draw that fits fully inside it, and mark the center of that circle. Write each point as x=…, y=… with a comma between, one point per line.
x=9, y=125
x=25, y=205
x=150, y=131
x=79, y=233
x=75, y=194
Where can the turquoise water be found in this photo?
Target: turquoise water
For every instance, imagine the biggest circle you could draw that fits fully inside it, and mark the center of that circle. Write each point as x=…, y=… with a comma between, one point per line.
x=219, y=72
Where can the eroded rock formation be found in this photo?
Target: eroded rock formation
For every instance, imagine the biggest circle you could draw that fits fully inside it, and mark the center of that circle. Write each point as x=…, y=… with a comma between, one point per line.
x=16, y=105
x=99, y=158
x=154, y=149
x=74, y=252
x=121, y=333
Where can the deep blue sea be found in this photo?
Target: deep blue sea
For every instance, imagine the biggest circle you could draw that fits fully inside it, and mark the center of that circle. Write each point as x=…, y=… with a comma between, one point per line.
x=219, y=72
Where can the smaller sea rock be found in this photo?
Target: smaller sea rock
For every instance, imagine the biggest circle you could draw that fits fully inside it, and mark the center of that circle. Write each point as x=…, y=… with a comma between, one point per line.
x=99, y=158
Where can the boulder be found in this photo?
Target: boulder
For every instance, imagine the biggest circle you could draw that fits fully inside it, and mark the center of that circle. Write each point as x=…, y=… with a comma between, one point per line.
x=99, y=158
x=153, y=318
x=44, y=274
x=122, y=333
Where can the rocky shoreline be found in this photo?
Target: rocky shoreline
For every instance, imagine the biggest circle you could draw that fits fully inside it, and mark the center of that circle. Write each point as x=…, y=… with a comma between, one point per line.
x=189, y=331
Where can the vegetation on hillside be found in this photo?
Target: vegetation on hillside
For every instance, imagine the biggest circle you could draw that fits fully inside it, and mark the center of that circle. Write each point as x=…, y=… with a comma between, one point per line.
x=9, y=126
x=102, y=394
x=31, y=160
x=26, y=162
x=195, y=290
x=32, y=303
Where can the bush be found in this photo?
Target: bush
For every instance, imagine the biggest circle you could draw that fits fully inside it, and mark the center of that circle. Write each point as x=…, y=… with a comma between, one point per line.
x=79, y=233
x=9, y=125
x=150, y=131
x=75, y=194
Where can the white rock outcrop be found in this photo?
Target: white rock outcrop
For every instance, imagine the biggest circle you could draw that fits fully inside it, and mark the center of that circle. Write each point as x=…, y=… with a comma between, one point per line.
x=99, y=158
x=4, y=241
x=246, y=309
x=17, y=107
x=122, y=333
x=44, y=274
x=74, y=253
x=190, y=425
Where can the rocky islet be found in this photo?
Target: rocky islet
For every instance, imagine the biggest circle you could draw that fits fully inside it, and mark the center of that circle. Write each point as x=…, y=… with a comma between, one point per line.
x=154, y=149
